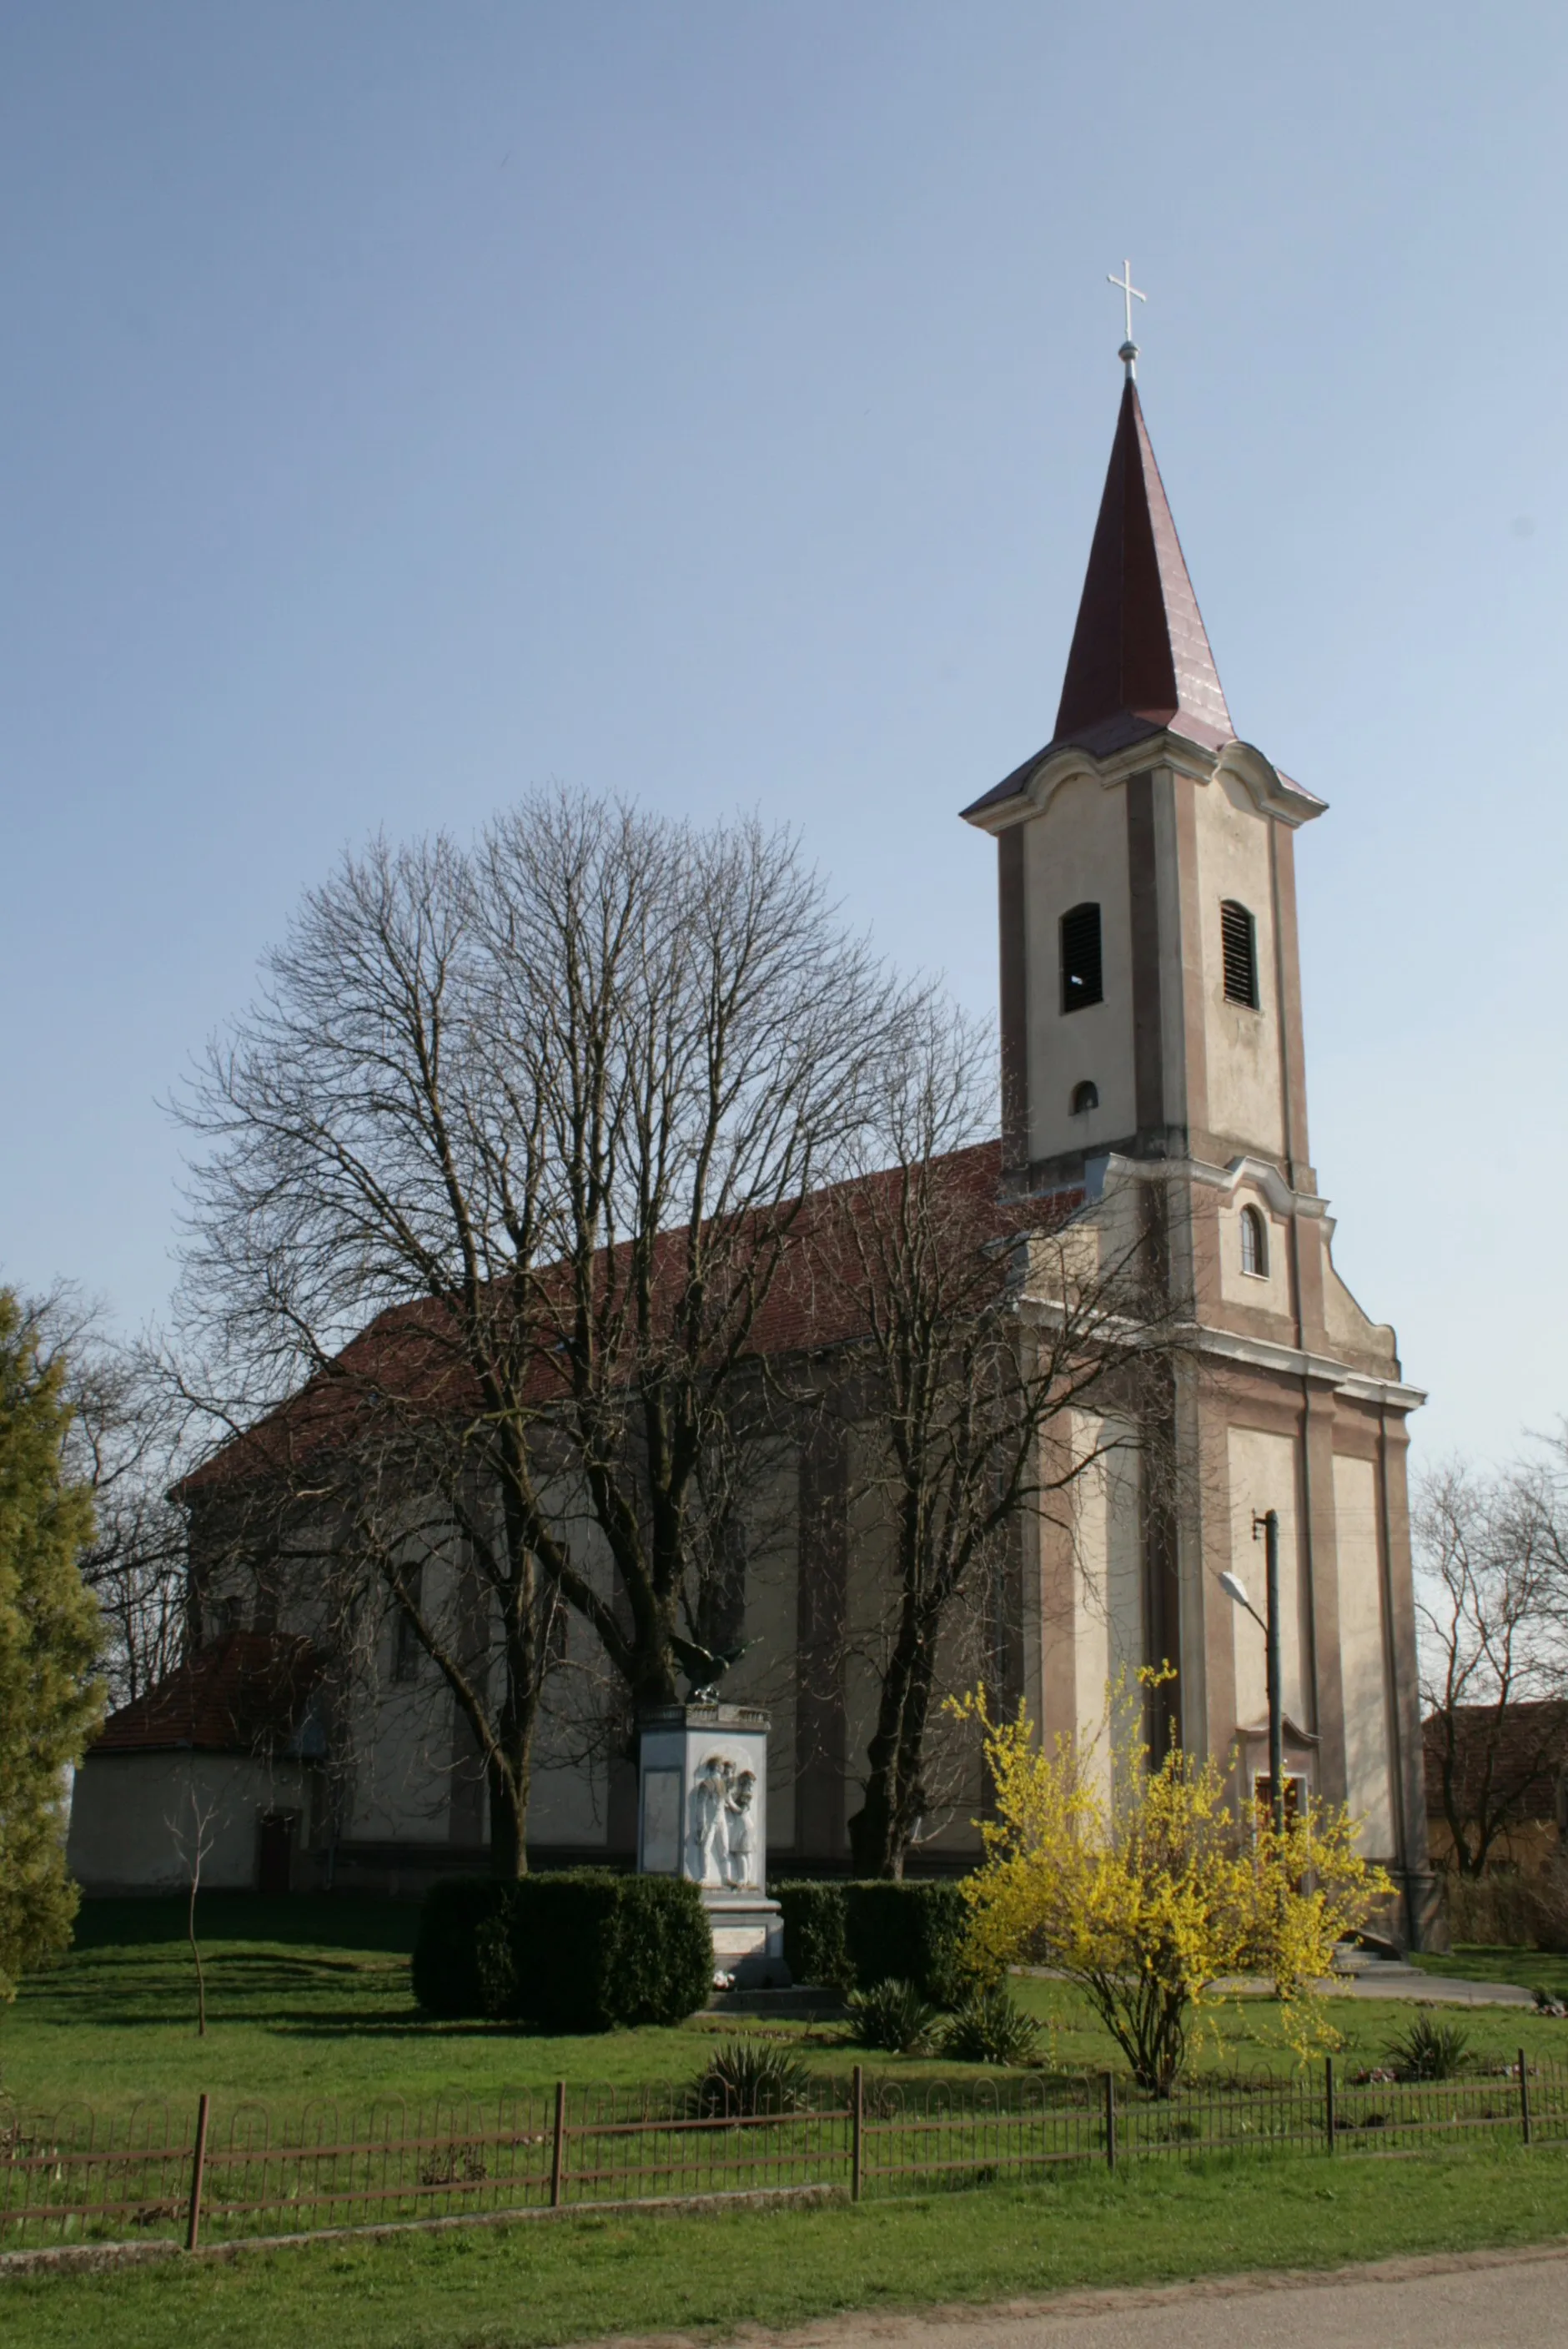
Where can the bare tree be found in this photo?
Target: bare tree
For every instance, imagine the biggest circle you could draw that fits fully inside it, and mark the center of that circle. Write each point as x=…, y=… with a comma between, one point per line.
x=697, y=1037
x=349, y=1266
x=1491, y=1594
x=192, y=1830
x=126, y=1443
x=544, y=1118
x=1009, y=1346
x=129, y=1432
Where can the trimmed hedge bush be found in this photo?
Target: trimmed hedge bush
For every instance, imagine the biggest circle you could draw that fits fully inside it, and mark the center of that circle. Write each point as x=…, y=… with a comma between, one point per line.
x=814, y=1946
x=463, y=1953
x=596, y=1951
x=563, y=1936
x=911, y=1933
x=858, y=1935
x=576, y=1950
x=665, y=1946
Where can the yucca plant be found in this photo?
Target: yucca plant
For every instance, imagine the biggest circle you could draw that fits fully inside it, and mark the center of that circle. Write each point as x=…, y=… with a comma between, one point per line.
x=991, y=2027
x=746, y=2077
x=1430, y=2050
x=893, y=2016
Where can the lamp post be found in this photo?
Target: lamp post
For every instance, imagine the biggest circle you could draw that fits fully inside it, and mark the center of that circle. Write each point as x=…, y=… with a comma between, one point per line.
x=1234, y=1588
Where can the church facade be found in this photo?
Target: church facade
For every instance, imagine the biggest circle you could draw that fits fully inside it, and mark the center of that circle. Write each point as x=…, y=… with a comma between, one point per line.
x=1154, y=1063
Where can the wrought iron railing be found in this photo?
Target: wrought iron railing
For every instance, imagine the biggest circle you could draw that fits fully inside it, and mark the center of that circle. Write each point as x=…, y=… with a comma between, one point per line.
x=79, y=2175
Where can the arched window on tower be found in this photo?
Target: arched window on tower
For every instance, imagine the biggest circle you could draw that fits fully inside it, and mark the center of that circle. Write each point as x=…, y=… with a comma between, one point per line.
x=1081, y=978
x=1254, y=1244
x=1239, y=943
x=1085, y=1096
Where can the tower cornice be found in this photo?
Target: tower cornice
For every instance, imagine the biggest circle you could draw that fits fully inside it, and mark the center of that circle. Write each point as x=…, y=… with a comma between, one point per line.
x=1030, y=788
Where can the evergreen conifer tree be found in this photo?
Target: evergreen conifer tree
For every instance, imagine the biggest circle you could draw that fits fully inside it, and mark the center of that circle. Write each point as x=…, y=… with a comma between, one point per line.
x=50, y=1697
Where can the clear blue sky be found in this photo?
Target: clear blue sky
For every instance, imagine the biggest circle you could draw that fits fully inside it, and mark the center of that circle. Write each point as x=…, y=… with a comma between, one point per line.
x=407, y=404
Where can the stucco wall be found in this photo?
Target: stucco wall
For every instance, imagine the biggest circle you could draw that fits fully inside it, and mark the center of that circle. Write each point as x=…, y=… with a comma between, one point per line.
x=1269, y=1294
x=1108, y=1585
x=402, y=1785
x=1075, y=854
x=766, y=1675
x=1241, y=1046
x=1362, y=1654
x=129, y=1811
x=953, y=1774
x=1351, y=1332
x=1262, y=1476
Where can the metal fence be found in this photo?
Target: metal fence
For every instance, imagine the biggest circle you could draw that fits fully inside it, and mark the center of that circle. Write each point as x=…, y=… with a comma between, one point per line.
x=80, y=2176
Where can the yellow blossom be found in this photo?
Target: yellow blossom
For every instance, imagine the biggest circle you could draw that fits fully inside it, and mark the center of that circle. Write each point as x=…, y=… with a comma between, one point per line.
x=1149, y=1900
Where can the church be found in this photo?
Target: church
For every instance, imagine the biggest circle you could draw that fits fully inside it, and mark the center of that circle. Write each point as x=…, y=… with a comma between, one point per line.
x=1152, y=1049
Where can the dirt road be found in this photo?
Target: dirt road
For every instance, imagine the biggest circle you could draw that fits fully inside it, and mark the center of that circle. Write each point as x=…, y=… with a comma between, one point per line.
x=1484, y=2299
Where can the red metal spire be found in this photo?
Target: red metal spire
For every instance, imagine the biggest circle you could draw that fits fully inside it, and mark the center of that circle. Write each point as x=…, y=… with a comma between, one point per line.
x=1139, y=655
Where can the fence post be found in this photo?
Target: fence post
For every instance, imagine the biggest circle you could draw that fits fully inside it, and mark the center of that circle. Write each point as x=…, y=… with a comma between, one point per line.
x=198, y=2165
x=1109, y=2120
x=1523, y=2097
x=1328, y=2098
x=857, y=2128
x=558, y=2148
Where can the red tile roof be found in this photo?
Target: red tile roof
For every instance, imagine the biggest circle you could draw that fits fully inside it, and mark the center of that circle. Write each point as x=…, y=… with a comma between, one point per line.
x=813, y=1303
x=1140, y=659
x=241, y=1694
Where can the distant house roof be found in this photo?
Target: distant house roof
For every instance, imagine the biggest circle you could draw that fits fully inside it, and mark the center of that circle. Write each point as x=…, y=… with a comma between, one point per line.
x=243, y=1693
x=1527, y=1749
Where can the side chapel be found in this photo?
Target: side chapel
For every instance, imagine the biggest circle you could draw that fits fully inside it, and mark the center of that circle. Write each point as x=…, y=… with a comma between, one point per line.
x=1152, y=1043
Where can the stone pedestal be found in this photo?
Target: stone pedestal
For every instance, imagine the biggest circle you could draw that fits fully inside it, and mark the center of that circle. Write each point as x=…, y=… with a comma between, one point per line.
x=702, y=1813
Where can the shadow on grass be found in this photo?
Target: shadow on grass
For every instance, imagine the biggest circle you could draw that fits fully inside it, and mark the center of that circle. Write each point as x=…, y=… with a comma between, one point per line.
x=412, y=2026
x=330, y=2022
x=380, y=1967
x=324, y=1921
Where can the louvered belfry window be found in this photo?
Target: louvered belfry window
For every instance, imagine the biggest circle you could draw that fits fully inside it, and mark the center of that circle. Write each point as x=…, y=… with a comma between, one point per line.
x=1080, y=958
x=1239, y=938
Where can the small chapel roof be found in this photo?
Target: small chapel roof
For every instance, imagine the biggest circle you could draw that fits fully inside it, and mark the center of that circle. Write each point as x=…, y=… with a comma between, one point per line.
x=1140, y=659
x=240, y=1692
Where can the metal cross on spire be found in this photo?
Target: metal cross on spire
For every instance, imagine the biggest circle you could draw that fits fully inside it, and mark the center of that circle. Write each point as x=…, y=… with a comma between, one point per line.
x=1124, y=285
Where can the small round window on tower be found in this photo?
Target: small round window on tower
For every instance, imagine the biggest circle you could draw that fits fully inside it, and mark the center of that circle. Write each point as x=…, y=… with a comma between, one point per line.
x=1085, y=1096
x=1254, y=1244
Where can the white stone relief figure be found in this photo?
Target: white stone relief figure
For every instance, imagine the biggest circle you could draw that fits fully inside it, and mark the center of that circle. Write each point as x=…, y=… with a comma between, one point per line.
x=740, y=1820
x=709, y=1793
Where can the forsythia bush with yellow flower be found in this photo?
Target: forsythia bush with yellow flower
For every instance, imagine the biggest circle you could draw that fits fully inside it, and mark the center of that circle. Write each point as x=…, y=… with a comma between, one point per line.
x=1149, y=1900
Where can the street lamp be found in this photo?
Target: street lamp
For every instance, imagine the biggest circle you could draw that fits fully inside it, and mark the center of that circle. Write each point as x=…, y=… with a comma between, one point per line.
x=1236, y=1588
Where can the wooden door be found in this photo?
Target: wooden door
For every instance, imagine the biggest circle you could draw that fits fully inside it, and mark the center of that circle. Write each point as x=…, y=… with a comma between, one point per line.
x=276, y=1863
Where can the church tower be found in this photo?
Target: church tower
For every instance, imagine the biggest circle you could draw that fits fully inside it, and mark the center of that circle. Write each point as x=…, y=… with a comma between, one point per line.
x=1151, y=1035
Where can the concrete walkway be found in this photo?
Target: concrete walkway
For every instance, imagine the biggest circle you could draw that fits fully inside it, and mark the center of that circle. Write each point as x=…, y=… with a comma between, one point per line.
x=1367, y=1977
x=1479, y=2300
x=1387, y=1978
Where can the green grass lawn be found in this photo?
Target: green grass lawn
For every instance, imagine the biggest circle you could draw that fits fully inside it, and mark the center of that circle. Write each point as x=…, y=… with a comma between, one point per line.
x=531, y=2285
x=310, y=1997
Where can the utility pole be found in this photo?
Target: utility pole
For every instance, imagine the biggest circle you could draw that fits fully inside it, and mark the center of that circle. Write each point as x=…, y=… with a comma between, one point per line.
x=1270, y=1524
